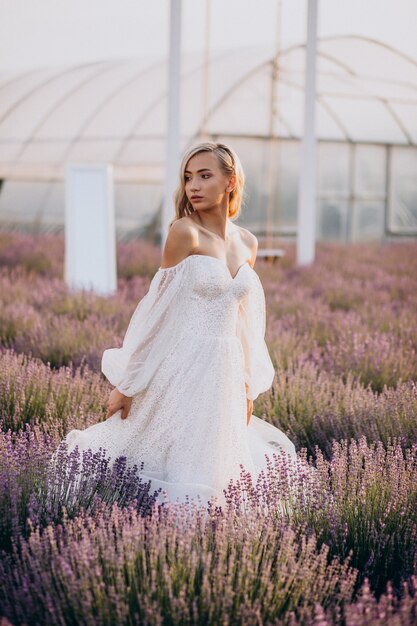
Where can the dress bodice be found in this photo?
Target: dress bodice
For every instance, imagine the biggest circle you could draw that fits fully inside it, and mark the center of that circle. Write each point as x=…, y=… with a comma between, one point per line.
x=197, y=298
x=214, y=296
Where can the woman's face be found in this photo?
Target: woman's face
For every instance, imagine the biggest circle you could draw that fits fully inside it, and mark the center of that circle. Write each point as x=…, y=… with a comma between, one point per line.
x=206, y=185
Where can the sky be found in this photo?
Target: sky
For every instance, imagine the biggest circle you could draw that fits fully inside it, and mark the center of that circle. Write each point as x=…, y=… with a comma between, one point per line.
x=40, y=33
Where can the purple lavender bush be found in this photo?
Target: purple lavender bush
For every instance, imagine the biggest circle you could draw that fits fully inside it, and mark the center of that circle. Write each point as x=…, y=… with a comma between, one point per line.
x=332, y=540
x=38, y=480
x=315, y=408
x=173, y=567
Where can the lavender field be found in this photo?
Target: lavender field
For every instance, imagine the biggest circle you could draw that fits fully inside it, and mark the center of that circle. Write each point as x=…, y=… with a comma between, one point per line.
x=343, y=550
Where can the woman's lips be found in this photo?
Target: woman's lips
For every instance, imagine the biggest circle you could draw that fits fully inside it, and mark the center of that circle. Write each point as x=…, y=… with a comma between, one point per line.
x=195, y=198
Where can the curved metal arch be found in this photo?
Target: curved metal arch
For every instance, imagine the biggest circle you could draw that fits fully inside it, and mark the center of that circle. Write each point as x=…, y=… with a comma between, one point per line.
x=16, y=79
x=352, y=72
x=399, y=83
x=284, y=81
x=363, y=76
x=104, y=103
x=383, y=101
x=336, y=61
x=150, y=108
x=283, y=53
x=376, y=42
x=349, y=70
x=384, y=104
x=369, y=96
x=51, y=79
x=70, y=93
x=327, y=107
x=239, y=83
x=214, y=108
x=389, y=110
x=335, y=118
x=400, y=124
x=58, y=103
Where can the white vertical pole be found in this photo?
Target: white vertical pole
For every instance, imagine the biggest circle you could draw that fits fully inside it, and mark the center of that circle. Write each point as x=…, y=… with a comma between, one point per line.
x=306, y=220
x=205, y=76
x=273, y=132
x=173, y=135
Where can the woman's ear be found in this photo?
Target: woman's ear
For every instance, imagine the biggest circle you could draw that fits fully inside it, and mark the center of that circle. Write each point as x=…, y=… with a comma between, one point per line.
x=232, y=183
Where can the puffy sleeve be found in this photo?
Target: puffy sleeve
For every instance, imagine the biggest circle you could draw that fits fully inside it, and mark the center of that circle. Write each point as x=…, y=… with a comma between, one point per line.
x=251, y=326
x=151, y=330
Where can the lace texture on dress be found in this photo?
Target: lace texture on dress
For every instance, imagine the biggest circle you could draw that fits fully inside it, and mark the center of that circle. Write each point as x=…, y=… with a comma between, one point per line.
x=251, y=326
x=154, y=323
x=165, y=313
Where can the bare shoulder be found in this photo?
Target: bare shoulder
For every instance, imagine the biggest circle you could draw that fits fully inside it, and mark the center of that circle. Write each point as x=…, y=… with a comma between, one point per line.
x=247, y=237
x=181, y=240
x=250, y=240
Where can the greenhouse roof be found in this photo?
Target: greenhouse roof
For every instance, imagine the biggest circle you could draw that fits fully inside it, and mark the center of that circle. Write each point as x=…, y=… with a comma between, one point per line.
x=115, y=110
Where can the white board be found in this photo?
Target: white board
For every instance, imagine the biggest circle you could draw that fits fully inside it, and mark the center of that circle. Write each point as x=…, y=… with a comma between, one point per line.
x=90, y=238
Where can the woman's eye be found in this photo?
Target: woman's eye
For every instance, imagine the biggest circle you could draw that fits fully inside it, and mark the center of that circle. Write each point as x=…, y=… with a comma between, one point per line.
x=206, y=175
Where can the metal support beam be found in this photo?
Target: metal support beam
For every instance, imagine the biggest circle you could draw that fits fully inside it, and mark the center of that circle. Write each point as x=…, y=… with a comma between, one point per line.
x=173, y=134
x=306, y=218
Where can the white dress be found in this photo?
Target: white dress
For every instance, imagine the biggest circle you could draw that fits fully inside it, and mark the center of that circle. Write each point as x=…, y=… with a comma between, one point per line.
x=193, y=341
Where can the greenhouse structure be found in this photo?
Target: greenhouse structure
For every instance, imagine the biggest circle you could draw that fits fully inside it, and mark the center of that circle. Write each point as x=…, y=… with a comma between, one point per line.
x=115, y=112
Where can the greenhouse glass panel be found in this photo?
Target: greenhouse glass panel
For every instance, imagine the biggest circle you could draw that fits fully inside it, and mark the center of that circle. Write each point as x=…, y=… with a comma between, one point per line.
x=271, y=170
x=328, y=126
x=332, y=220
x=407, y=114
x=368, y=221
x=136, y=207
x=52, y=212
x=333, y=167
x=291, y=111
x=370, y=171
x=116, y=111
x=402, y=202
x=285, y=173
x=356, y=114
x=23, y=201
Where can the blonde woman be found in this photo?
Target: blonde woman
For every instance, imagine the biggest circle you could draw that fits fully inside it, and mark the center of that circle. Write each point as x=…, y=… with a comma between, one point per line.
x=194, y=356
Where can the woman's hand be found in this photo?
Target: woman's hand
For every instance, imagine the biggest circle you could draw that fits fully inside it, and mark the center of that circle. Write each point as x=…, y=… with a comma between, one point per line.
x=249, y=406
x=116, y=402
x=249, y=410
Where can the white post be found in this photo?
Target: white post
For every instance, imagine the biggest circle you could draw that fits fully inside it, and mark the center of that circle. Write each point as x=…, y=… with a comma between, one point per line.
x=90, y=240
x=173, y=136
x=205, y=77
x=306, y=219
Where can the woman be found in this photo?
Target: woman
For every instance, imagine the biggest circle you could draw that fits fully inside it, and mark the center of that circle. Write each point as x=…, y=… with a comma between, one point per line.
x=194, y=356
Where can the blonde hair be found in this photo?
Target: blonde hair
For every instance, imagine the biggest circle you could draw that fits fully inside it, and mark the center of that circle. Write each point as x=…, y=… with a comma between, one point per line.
x=229, y=163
